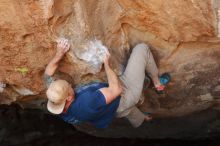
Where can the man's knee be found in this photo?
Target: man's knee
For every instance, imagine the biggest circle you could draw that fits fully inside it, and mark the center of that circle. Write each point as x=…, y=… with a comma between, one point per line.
x=142, y=45
x=141, y=48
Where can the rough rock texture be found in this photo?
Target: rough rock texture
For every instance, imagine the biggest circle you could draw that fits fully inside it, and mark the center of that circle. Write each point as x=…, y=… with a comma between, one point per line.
x=183, y=36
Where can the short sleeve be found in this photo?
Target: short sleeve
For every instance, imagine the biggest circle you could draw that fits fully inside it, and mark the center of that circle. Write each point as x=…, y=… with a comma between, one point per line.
x=98, y=99
x=47, y=80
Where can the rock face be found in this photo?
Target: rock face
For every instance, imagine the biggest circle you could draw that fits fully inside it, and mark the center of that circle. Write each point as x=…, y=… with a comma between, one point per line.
x=183, y=36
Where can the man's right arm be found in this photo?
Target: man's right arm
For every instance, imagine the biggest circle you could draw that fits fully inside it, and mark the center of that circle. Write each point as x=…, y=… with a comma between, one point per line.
x=62, y=47
x=114, y=89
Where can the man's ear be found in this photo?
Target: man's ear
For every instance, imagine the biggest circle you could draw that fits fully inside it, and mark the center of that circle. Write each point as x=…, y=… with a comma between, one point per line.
x=69, y=98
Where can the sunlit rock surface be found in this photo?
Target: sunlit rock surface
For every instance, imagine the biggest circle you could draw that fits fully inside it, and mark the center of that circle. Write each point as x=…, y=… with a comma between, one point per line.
x=183, y=36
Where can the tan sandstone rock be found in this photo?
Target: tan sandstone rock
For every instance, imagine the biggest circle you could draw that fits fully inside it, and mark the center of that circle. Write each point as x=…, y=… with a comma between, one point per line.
x=183, y=36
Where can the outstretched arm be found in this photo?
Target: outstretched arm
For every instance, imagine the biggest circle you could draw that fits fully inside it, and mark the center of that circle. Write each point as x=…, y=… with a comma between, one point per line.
x=114, y=89
x=62, y=47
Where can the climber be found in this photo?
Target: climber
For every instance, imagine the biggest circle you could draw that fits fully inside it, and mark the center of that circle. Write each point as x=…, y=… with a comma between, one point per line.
x=98, y=103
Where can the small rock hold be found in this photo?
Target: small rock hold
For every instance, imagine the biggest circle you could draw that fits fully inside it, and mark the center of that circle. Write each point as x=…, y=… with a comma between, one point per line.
x=23, y=91
x=217, y=88
x=206, y=97
x=2, y=87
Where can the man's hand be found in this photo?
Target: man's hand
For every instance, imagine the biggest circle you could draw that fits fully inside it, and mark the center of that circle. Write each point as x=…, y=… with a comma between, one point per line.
x=63, y=46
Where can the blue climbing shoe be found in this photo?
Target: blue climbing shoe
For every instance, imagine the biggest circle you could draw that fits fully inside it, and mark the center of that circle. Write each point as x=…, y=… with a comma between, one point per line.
x=164, y=80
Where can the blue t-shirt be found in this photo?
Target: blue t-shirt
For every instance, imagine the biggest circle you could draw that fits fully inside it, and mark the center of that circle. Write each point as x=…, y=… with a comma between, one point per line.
x=90, y=106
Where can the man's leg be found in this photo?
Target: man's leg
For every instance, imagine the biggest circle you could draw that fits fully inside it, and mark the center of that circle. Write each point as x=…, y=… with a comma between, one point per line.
x=141, y=59
x=136, y=117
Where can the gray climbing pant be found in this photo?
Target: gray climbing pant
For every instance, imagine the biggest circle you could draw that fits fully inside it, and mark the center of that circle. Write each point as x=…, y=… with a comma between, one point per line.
x=141, y=60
